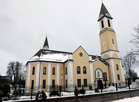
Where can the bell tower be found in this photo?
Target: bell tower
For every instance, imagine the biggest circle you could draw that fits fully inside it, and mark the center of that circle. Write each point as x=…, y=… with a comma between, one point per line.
x=109, y=47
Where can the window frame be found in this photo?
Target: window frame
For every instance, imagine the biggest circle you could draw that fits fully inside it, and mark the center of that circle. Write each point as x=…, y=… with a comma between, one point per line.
x=53, y=71
x=102, y=24
x=53, y=83
x=113, y=41
x=85, y=82
x=44, y=72
x=32, y=84
x=78, y=70
x=33, y=71
x=79, y=82
x=44, y=84
x=66, y=70
x=118, y=76
x=66, y=84
x=117, y=67
x=109, y=24
x=84, y=72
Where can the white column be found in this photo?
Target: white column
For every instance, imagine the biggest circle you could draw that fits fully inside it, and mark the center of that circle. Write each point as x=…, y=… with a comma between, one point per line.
x=70, y=76
x=37, y=77
x=57, y=74
x=112, y=71
x=49, y=77
x=111, y=23
x=28, y=78
x=122, y=72
x=105, y=22
x=91, y=74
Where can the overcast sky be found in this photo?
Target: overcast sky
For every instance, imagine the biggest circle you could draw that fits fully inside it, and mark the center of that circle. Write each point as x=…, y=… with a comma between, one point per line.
x=68, y=23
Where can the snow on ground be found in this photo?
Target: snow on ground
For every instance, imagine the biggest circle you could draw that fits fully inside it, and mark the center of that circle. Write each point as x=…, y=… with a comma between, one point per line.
x=71, y=94
x=133, y=99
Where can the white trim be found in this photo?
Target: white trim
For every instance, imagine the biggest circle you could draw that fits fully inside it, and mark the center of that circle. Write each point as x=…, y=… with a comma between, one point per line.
x=122, y=72
x=107, y=34
x=37, y=77
x=111, y=23
x=70, y=76
x=28, y=78
x=57, y=74
x=105, y=22
x=112, y=71
x=49, y=77
x=110, y=53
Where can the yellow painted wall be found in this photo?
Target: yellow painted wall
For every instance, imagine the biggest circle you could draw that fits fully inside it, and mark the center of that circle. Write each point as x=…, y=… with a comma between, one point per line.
x=54, y=77
x=33, y=77
x=115, y=55
x=101, y=66
x=117, y=71
x=26, y=78
x=44, y=76
x=81, y=61
x=61, y=76
x=107, y=36
x=105, y=56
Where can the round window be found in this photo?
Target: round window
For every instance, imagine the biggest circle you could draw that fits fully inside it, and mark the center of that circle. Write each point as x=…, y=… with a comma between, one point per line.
x=81, y=54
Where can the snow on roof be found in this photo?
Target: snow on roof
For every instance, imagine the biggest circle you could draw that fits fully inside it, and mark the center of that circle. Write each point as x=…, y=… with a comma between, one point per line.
x=51, y=56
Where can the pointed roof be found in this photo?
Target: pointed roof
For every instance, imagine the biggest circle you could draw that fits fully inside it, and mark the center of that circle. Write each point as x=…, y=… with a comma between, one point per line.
x=46, y=43
x=104, y=12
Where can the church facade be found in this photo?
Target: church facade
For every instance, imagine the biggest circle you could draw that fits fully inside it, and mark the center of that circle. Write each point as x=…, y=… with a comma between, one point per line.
x=48, y=69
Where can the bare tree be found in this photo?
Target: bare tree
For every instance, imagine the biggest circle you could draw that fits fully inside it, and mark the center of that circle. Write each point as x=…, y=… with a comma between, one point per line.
x=135, y=40
x=14, y=69
x=130, y=62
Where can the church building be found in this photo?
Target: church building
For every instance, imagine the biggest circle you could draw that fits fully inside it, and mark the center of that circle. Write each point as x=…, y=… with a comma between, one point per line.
x=50, y=69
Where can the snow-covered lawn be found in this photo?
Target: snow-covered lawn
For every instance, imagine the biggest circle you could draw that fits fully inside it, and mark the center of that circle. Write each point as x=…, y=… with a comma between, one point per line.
x=133, y=99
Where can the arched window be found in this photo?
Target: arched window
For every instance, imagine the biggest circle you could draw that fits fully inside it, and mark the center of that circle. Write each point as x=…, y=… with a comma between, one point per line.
x=102, y=24
x=84, y=70
x=44, y=70
x=112, y=41
x=109, y=24
x=117, y=67
x=53, y=71
x=33, y=71
x=66, y=70
x=78, y=70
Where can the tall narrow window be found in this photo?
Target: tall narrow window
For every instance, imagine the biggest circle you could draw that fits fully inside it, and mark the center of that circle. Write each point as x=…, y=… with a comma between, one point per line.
x=44, y=70
x=79, y=82
x=117, y=67
x=66, y=84
x=33, y=71
x=109, y=24
x=53, y=71
x=78, y=70
x=66, y=70
x=84, y=70
x=44, y=83
x=85, y=82
x=112, y=41
x=102, y=24
x=118, y=77
x=53, y=83
x=32, y=84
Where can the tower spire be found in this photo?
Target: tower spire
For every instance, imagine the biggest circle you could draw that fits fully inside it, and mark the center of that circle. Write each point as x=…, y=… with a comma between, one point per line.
x=46, y=45
x=104, y=12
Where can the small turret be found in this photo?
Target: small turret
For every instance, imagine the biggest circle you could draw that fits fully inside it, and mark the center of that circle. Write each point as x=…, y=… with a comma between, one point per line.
x=46, y=45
